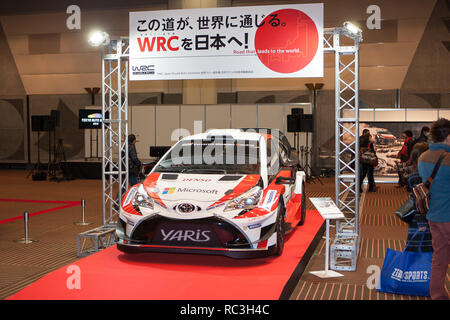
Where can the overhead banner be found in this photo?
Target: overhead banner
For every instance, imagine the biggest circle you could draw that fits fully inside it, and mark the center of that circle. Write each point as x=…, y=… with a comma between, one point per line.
x=283, y=41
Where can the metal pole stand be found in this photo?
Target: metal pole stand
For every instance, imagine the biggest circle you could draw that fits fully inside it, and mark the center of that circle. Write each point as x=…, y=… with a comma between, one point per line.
x=328, y=210
x=82, y=223
x=327, y=273
x=25, y=240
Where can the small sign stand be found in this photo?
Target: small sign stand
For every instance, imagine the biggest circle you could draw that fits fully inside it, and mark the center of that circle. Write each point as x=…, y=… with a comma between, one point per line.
x=328, y=210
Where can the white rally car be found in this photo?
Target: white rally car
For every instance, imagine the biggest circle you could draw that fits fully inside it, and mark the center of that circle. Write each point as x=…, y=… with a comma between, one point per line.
x=224, y=192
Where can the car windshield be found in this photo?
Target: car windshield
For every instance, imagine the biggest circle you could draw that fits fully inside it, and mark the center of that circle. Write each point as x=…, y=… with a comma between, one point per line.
x=212, y=156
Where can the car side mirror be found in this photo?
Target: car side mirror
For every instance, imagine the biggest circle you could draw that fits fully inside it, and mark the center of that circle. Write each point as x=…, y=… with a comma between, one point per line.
x=290, y=163
x=284, y=180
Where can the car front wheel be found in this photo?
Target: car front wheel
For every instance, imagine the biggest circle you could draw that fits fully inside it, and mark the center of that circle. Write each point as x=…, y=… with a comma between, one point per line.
x=280, y=229
x=303, y=208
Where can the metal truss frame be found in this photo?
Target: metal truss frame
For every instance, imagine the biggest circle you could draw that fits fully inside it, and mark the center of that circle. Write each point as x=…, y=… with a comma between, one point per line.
x=114, y=127
x=345, y=46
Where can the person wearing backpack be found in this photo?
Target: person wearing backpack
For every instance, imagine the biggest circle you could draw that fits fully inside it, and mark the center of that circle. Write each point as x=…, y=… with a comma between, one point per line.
x=438, y=214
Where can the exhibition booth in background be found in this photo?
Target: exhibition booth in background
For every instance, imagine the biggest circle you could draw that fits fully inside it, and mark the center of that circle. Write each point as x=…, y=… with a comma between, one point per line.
x=393, y=122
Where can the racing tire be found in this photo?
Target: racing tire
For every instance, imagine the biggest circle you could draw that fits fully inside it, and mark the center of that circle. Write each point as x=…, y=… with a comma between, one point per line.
x=280, y=230
x=303, y=208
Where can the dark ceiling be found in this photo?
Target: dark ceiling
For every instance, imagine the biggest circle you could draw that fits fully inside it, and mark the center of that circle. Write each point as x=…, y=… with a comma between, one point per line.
x=33, y=6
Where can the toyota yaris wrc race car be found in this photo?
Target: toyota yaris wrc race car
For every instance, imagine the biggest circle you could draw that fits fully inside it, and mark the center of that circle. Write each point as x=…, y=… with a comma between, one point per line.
x=223, y=192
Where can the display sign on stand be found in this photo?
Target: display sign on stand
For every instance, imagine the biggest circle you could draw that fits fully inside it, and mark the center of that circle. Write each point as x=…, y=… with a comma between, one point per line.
x=329, y=211
x=91, y=119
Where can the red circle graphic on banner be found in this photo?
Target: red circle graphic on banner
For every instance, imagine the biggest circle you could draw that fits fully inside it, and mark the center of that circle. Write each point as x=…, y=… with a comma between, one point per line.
x=286, y=41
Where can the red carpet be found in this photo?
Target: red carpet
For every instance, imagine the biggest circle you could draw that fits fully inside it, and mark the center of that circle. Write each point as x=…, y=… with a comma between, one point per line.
x=110, y=274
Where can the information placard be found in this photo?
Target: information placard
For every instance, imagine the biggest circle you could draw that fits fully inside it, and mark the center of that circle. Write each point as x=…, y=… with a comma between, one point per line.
x=327, y=208
x=282, y=41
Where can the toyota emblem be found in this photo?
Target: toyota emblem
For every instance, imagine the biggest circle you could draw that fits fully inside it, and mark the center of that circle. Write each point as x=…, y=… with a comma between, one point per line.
x=186, y=208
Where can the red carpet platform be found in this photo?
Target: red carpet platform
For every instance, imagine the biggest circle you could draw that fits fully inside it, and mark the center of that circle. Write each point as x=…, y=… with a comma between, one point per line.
x=110, y=274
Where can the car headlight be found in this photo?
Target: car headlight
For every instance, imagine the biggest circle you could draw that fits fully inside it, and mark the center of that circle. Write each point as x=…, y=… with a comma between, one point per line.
x=142, y=199
x=248, y=200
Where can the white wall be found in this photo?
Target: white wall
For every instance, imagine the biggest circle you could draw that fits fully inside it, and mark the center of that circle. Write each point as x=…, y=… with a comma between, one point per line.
x=156, y=125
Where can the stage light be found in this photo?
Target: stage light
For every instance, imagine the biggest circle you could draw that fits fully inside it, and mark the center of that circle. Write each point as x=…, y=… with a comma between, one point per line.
x=352, y=28
x=99, y=38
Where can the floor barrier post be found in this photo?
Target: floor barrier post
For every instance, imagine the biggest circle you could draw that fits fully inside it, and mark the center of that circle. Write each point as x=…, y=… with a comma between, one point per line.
x=26, y=240
x=82, y=222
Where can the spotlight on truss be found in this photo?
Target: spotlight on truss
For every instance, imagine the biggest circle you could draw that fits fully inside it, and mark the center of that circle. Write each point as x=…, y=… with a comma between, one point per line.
x=353, y=29
x=98, y=38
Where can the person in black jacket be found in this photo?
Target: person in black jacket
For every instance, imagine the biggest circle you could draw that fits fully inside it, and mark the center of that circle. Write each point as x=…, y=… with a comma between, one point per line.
x=424, y=133
x=366, y=169
x=134, y=164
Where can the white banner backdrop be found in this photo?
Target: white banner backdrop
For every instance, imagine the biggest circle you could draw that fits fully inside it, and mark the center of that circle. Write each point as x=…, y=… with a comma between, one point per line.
x=283, y=41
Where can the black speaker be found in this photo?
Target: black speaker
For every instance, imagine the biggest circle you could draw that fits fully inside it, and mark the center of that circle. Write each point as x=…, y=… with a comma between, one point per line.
x=307, y=123
x=293, y=123
x=37, y=123
x=55, y=115
x=48, y=124
x=297, y=111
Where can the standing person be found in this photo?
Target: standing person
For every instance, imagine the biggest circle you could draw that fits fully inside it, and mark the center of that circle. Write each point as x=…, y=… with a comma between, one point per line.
x=424, y=133
x=134, y=164
x=403, y=155
x=439, y=211
x=366, y=169
x=419, y=221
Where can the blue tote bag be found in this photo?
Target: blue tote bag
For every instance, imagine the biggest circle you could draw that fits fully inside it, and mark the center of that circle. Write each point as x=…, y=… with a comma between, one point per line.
x=406, y=272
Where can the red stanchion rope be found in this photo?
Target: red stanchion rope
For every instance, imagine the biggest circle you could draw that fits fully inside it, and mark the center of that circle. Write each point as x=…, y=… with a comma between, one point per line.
x=68, y=205
x=38, y=201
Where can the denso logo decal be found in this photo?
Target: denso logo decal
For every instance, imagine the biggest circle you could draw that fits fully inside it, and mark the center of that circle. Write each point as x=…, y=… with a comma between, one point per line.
x=197, y=180
x=186, y=235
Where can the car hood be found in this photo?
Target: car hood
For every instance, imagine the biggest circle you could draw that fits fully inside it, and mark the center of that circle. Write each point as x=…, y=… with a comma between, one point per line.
x=212, y=188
